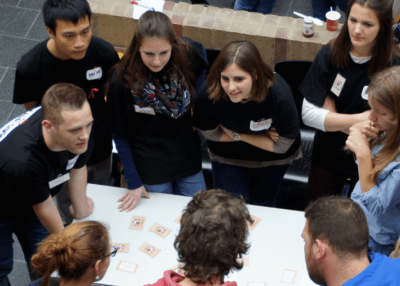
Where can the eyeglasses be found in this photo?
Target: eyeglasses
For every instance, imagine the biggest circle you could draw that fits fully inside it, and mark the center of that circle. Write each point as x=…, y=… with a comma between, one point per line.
x=113, y=251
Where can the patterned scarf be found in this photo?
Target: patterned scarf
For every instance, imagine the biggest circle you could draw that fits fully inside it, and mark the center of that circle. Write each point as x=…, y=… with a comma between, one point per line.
x=169, y=97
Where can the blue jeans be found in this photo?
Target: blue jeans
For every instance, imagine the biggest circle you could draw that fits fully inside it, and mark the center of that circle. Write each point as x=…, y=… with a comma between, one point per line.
x=187, y=186
x=377, y=247
x=29, y=231
x=320, y=7
x=259, y=6
x=260, y=186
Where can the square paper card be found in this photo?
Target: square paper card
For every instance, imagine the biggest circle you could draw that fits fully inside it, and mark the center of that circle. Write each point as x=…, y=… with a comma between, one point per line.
x=137, y=222
x=160, y=230
x=127, y=266
x=149, y=249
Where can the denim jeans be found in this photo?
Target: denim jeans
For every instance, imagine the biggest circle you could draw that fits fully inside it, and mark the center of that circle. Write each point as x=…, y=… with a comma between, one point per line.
x=259, y=6
x=377, y=247
x=29, y=232
x=260, y=186
x=320, y=7
x=187, y=186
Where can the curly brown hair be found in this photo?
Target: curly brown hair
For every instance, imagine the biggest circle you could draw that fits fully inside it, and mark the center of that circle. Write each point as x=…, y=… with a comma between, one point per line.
x=213, y=235
x=131, y=69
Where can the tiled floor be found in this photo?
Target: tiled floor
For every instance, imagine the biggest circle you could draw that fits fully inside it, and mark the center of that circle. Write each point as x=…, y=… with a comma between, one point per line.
x=21, y=28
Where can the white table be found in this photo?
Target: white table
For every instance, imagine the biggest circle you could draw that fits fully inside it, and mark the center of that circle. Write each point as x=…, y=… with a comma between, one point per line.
x=276, y=242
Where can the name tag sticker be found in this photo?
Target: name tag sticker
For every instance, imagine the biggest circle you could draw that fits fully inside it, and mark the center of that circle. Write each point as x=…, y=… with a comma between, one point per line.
x=364, y=93
x=94, y=74
x=59, y=180
x=338, y=85
x=260, y=125
x=144, y=110
x=71, y=163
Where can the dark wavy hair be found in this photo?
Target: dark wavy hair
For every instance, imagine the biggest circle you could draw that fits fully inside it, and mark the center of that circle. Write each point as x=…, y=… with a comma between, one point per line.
x=248, y=58
x=385, y=47
x=72, y=251
x=131, y=69
x=65, y=10
x=341, y=222
x=213, y=235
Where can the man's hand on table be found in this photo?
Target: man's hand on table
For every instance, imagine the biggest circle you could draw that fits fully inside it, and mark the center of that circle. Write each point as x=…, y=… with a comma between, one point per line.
x=89, y=208
x=131, y=199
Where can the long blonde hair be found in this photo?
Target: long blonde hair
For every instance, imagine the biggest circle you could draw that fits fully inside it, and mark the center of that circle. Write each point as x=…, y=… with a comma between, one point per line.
x=71, y=251
x=385, y=89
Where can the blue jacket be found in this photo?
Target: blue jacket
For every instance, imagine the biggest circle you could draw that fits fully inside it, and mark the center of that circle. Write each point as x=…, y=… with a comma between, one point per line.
x=381, y=204
x=383, y=271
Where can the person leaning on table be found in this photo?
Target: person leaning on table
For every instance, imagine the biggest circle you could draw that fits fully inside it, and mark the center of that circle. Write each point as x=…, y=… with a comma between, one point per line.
x=80, y=253
x=150, y=98
x=336, y=246
x=39, y=151
x=212, y=237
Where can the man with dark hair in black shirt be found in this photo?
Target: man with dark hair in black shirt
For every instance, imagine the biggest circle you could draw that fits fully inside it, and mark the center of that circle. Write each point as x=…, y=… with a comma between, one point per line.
x=71, y=55
x=40, y=150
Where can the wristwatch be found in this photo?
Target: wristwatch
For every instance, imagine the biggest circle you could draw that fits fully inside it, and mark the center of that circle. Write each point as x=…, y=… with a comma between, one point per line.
x=235, y=136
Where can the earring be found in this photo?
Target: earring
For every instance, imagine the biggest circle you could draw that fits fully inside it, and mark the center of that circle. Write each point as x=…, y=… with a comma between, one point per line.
x=97, y=278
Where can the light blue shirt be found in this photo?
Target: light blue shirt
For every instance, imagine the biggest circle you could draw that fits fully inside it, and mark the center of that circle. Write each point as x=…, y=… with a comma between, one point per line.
x=381, y=204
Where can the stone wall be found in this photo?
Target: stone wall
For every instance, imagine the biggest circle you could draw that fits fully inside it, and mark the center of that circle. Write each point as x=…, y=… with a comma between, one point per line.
x=277, y=38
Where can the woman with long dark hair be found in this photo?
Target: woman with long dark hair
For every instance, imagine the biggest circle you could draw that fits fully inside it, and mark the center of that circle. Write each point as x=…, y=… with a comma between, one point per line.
x=150, y=102
x=334, y=91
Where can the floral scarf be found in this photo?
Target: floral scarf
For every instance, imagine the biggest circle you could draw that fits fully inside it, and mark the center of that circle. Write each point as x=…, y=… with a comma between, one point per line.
x=169, y=97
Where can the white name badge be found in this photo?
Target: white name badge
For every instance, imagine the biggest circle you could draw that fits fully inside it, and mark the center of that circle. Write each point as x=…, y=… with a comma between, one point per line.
x=364, y=93
x=94, y=74
x=145, y=110
x=338, y=85
x=71, y=163
x=260, y=125
x=59, y=180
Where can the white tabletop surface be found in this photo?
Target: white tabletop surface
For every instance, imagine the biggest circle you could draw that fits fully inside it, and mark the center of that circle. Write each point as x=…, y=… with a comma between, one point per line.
x=276, y=249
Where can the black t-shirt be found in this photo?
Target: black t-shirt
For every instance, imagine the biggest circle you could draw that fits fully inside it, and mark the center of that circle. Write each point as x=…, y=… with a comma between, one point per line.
x=348, y=88
x=278, y=108
x=39, y=69
x=27, y=167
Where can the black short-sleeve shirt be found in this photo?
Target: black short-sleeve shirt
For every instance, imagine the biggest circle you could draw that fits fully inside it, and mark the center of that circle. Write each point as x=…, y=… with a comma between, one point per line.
x=348, y=88
x=27, y=167
x=278, y=108
x=39, y=69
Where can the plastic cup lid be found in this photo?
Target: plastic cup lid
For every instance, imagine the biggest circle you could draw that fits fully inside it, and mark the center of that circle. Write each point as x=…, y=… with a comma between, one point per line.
x=333, y=15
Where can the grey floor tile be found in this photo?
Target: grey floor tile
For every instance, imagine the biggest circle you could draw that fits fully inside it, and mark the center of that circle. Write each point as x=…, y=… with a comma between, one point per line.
x=36, y=4
x=303, y=7
x=7, y=85
x=18, y=254
x=38, y=30
x=12, y=49
x=18, y=110
x=281, y=8
x=9, y=2
x=16, y=21
x=5, y=111
x=2, y=72
x=19, y=276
